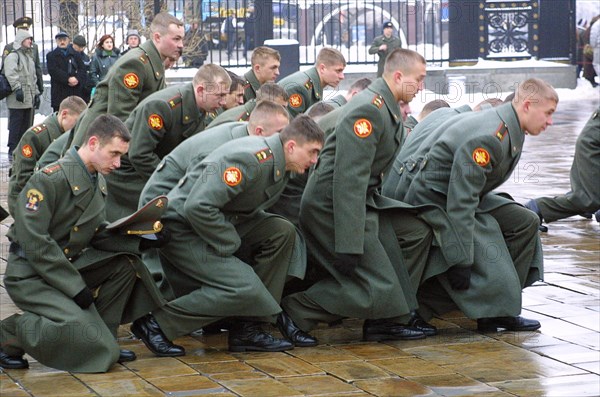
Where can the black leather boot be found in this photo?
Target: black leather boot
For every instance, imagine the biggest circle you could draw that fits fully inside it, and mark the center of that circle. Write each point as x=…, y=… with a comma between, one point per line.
x=417, y=322
x=148, y=331
x=10, y=362
x=249, y=336
x=291, y=332
x=517, y=323
x=377, y=330
x=126, y=356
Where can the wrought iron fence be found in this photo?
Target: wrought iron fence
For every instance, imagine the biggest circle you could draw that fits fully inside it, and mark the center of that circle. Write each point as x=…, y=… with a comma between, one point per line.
x=349, y=26
x=491, y=29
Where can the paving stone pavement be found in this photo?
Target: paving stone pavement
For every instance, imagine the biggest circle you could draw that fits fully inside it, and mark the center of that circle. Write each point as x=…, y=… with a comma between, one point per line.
x=561, y=359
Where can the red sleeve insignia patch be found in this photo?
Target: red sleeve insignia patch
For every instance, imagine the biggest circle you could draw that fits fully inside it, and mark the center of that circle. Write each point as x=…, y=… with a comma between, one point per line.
x=295, y=100
x=363, y=128
x=27, y=151
x=232, y=176
x=481, y=157
x=131, y=80
x=155, y=122
x=34, y=198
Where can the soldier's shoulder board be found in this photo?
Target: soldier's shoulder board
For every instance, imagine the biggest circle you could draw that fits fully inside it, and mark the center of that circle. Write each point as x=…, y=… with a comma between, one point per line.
x=51, y=169
x=143, y=58
x=175, y=101
x=264, y=155
x=378, y=101
x=39, y=128
x=308, y=84
x=501, y=132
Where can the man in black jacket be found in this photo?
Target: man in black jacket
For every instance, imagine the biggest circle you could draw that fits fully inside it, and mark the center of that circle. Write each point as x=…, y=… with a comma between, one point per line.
x=66, y=69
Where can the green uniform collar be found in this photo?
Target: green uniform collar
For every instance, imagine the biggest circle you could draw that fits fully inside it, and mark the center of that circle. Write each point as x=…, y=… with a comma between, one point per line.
x=189, y=111
x=158, y=68
x=339, y=100
x=315, y=79
x=275, y=144
x=240, y=131
x=80, y=181
x=379, y=86
x=510, y=118
x=252, y=81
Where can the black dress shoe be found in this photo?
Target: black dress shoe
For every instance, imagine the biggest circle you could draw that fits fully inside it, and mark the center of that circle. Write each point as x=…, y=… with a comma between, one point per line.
x=517, y=323
x=294, y=334
x=249, y=336
x=377, y=330
x=148, y=331
x=9, y=362
x=417, y=322
x=126, y=356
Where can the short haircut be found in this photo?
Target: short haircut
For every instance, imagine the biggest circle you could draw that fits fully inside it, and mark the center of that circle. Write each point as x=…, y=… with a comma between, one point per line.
x=319, y=110
x=211, y=73
x=402, y=59
x=360, y=84
x=106, y=127
x=271, y=91
x=261, y=54
x=265, y=110
x=534, y=89
x=303, y=129
x=73, y=104
x=433, y=105
x=330, y=57
x=161, y=23
x=236, y=82
x=490, y=102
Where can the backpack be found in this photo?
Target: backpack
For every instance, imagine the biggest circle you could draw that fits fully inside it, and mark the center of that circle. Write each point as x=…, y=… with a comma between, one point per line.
x=5, y=88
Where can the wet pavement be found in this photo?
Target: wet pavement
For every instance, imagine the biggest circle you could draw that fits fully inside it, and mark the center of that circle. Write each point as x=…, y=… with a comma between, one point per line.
x=561, y=359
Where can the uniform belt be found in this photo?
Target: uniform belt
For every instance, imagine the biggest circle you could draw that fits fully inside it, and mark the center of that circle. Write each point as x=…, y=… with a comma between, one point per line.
x=16, y=249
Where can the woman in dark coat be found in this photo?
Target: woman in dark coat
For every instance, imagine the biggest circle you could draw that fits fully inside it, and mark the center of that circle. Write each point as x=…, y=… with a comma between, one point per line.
x=106, y=56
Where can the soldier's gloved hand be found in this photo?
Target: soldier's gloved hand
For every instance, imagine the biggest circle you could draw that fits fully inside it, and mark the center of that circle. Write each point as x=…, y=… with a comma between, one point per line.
x=84, y=298
x=346, y=263
x=459, y=277
x=162, y=238
x=19, y=95
x=36, y=102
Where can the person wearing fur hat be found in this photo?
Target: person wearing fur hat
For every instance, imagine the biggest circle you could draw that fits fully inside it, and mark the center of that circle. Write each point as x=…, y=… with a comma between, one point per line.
x=106, y=56
x=19, y=69
x=132, y=40
x=24, y=23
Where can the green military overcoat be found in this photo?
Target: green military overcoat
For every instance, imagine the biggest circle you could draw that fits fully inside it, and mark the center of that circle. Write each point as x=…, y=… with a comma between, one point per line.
x=340, y=212
x=135, y=76
x=472, y=157
x=213, y=210
x=54, y=256
x=32, y=145
x=585, y=176
x=304, y=90
x=392, y=42
x=158, y=124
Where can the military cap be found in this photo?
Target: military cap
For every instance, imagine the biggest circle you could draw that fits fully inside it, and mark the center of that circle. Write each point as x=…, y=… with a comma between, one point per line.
x=61, y=34
x=144, y=221
x=23, y=23
x=388, y=24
